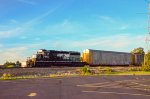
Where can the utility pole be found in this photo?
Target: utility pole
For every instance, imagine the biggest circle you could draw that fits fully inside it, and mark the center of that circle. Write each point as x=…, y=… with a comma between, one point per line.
x=148, y=34
x=148, y=24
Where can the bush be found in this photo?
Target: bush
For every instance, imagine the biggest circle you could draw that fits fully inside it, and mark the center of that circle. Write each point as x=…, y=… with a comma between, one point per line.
x=12, y=64
x=145, y=68
x=134, y=69
x=100, y=68
x=85, y=70
x=108, y=70
x=6, y=76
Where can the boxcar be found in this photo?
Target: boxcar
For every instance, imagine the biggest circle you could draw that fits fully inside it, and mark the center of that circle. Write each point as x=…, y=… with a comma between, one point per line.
x=137, y=59
x=99, y=57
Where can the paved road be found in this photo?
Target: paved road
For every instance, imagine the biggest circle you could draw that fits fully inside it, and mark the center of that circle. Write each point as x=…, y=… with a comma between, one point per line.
x=100, y=87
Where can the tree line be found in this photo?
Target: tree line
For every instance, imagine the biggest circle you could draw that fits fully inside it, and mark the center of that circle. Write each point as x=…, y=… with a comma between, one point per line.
x=8, y=64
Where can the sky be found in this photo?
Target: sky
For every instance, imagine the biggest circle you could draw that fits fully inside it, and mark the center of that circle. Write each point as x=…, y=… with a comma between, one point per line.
x=73, y=25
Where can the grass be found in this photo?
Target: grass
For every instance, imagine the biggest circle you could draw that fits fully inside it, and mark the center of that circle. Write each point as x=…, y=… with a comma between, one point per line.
x=34, y=76
x=134, y=73
x=18, y=77
x=85, y=70
x=8, y=76
x=127, y=73
x=58, y=76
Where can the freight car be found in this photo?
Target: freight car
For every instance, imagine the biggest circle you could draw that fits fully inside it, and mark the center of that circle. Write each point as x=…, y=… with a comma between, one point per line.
x=45, y=58
x=99, y=57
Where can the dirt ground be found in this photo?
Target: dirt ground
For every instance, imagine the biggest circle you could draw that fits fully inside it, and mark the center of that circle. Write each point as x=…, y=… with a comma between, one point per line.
x=55, y=70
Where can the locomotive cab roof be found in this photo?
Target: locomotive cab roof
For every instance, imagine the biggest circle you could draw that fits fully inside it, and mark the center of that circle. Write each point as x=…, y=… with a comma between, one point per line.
x=56, y=51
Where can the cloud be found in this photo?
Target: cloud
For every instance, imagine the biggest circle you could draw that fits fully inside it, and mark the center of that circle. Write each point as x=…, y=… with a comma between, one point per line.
x=23, y=37
x=1, y=45
x=3, y=26
x=65, y=27
x=122, y=42
x=13, y=21
x=31, y=2
x=37, y=39
x=10, y=33
x=24, y=27
x=13, y=54
x=107, y=18
x=116, y=42
x=37, y=19
x=124, y=27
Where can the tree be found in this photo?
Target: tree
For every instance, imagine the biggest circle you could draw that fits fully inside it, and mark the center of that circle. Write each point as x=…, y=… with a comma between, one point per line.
x=138, y=50
x=18, y=64
x=12, y=64
x=7, y=64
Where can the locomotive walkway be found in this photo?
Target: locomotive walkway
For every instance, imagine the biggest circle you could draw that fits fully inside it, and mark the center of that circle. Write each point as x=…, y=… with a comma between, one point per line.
x=94, y=87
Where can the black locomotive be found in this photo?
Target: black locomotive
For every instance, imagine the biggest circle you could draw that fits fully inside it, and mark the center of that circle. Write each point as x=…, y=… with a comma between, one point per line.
x=45, y=58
